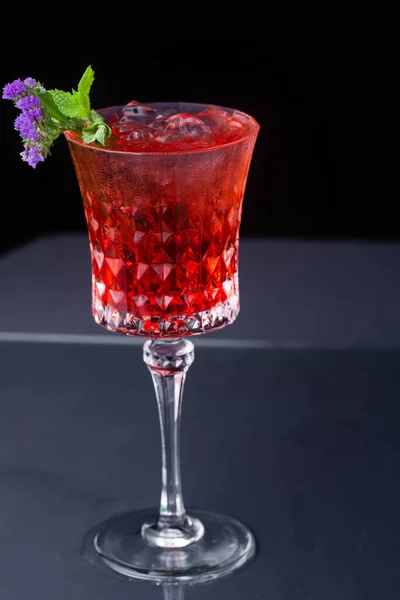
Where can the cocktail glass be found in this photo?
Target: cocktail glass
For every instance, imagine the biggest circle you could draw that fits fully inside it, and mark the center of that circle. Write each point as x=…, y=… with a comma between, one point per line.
x=163, y=229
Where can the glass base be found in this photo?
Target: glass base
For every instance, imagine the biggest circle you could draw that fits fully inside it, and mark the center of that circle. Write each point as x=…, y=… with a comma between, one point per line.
x=119, y=545
x=180, y=325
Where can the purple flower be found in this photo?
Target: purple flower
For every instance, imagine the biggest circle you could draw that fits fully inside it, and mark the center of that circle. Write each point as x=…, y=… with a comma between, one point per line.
x=24, y=125
x=31, y=82
x=32, y=155
x=27, y=102
x=13, y=90
x=34, y=114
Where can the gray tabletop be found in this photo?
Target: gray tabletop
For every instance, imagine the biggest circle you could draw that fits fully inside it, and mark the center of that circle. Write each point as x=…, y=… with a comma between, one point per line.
x=302, y=445
x=292, y=292
x=291, y=424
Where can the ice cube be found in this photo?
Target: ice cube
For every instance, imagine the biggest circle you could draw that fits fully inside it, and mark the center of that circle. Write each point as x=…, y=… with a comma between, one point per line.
x=240, y=117
x=216, y=118
x=139, y=133
x=123, y=128
x=214, y=111
x=138, y=111
x=134, y=123
x=237, y=126
x=193, y=126
x=182, y=126
x=158, y=123
x=126, y=124
x=130, y=104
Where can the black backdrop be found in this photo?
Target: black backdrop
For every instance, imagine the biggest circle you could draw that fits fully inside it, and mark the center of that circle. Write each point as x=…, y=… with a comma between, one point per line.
x=326, y=163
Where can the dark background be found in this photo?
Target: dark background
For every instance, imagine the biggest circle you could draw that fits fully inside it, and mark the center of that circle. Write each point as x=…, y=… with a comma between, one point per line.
x=326, y=163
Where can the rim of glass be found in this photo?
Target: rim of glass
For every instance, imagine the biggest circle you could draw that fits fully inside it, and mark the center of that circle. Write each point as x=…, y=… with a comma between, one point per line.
x=252, y=133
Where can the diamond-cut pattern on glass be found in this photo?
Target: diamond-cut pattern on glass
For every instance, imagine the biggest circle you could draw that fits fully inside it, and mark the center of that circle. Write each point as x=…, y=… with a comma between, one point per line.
x=168, y=278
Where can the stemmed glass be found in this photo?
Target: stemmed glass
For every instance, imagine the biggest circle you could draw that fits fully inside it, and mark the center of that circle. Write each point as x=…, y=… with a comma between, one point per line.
x=163, y=229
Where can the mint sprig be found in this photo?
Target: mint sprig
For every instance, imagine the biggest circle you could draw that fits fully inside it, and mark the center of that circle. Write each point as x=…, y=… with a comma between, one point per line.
x=46, y=114
x=77, y=103
x=73, y=110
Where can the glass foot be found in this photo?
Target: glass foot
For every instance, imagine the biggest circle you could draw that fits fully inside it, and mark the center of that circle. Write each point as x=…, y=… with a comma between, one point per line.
x=122, y=545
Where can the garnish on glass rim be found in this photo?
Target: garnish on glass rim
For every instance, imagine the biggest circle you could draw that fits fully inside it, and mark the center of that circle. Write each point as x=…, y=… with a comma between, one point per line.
x=46, y=114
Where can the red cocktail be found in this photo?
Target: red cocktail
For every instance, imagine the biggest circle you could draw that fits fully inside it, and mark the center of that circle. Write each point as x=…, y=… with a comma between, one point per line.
x=163, y=206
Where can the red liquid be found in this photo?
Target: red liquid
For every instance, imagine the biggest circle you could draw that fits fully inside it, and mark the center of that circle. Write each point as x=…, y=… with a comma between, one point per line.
x=163, y=229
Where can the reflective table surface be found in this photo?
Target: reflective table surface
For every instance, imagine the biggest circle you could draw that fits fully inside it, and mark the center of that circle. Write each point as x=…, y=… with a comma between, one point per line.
x=302, y=445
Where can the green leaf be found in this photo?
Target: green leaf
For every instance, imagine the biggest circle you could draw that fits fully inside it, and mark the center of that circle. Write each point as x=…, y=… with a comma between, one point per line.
x=95, y=117
x=96, y=133
x=76, y=104
x=101, y=135
x=71, y=110
x=70, y=104
x=89, y=135
x=51, y=107
x=84, y=89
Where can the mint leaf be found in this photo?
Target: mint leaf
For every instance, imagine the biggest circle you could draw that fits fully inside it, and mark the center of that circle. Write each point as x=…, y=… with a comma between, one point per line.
x=98, y=132
x=75, y=110
x=104, y=134
x=89, y=134
x=76, y=105
x=70, y=104
x=95, y=117
x=51, y=107
x=101, y=136
x=84, y=89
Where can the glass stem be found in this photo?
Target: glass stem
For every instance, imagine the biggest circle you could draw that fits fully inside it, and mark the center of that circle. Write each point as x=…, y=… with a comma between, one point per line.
x=173, y=591
x=168, y=361
x=169, y=390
